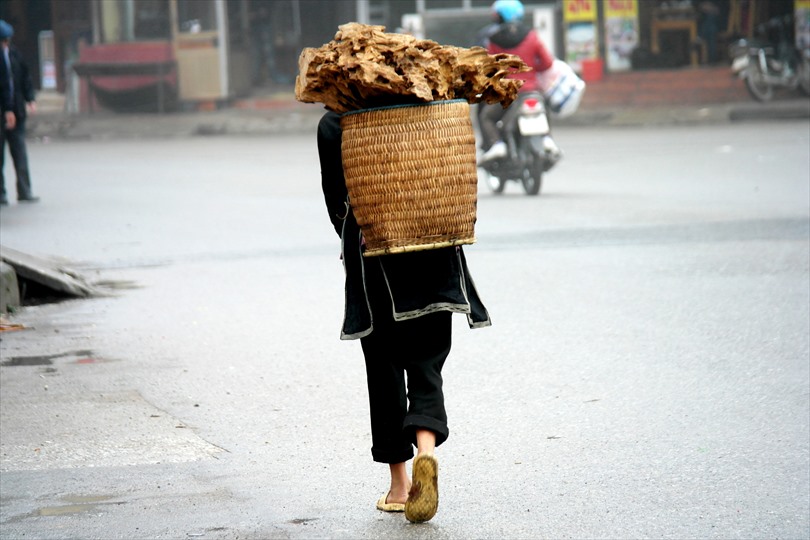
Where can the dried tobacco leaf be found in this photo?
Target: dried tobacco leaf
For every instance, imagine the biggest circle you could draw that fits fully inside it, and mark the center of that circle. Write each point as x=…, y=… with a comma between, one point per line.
x=364, y=67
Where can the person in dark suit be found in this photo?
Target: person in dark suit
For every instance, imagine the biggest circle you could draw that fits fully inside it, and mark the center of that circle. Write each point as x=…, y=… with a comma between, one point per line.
x=16, y=99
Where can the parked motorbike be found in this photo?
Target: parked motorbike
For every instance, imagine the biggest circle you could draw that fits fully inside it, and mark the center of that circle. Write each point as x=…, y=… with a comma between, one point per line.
x=766, y=64
x=531, y=150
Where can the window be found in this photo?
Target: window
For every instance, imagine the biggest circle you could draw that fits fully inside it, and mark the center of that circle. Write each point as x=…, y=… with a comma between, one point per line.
x=194, y=16
x=134, y=20
x=151, y=19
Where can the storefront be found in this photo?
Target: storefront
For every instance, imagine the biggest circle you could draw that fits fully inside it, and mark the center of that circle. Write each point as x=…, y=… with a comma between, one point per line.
x=154, y=54
x=139, y=54
x=164, y=54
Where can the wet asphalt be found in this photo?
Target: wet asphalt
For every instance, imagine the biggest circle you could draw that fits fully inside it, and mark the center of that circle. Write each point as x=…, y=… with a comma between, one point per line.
x=646, y=374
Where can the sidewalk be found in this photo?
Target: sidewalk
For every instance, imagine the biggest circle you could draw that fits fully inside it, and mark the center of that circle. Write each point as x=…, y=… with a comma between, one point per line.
x=663, y=97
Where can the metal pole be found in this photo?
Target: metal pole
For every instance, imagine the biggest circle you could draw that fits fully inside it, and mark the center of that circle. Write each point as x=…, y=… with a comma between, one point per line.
x=363, y=11
x=160, y=78
x=95, y=13
x=296, y=9
x=127, y=15
x=222, y=46
x=173, y=23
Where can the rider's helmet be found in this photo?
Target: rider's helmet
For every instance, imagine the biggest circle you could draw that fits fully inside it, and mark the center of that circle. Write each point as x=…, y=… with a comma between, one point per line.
x=509, y=11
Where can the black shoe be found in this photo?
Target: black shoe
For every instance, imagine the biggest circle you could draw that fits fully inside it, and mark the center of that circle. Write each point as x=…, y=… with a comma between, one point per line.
x=30, y=199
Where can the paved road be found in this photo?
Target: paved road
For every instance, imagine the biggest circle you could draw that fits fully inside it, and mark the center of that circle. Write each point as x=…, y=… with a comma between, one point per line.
x=646, y=374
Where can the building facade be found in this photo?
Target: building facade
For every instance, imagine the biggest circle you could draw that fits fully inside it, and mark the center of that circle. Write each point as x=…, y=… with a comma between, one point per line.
x=150, y=54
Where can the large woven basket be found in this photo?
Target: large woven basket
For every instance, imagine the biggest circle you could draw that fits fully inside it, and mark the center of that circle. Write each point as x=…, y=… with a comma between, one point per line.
x=411, y=175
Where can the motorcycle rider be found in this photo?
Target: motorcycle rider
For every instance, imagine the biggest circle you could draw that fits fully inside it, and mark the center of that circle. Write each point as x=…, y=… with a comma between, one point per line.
x=512, y=36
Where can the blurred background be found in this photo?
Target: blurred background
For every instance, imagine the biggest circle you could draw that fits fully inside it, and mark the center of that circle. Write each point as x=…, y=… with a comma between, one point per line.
x=162, y=55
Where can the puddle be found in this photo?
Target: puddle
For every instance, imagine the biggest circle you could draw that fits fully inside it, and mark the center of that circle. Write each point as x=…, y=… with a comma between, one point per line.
x=80, y=504
x=302, y=521
x=87, y=499
x=64, y=510
x=119, y=285
x=27, y=361
x=77, y=357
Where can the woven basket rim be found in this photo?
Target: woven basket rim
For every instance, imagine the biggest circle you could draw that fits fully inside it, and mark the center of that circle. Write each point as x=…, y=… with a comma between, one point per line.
x=393, y=250
x=404, y=105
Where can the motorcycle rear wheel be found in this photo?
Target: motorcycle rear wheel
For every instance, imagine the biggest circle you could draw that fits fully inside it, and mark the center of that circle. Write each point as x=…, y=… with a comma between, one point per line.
x=757, y=86
x=533, y=176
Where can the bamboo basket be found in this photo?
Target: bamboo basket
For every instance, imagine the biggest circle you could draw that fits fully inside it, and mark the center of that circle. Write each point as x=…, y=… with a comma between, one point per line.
x=411, y=175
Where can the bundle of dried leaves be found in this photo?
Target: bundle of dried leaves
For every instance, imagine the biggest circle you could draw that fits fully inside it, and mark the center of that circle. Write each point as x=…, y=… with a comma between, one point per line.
x=365, y=67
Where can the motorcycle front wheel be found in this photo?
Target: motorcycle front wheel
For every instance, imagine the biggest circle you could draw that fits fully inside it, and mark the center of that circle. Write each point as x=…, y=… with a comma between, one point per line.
x=494, y=183
x=758, y=87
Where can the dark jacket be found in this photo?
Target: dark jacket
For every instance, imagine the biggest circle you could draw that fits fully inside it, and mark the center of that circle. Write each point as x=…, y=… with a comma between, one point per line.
x=23, y=86
x=523, y=41
x=6, y=97
x=419, y=282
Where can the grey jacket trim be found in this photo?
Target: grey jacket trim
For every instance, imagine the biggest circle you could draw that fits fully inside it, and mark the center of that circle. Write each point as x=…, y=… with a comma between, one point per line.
x=432, y=308
x=358, y=335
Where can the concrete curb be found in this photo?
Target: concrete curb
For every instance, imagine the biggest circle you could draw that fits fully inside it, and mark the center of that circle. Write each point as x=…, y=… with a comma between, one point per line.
x=49, y=272
x=124, y=126
x=293, y=117
x=798, y=109
x=9, y=289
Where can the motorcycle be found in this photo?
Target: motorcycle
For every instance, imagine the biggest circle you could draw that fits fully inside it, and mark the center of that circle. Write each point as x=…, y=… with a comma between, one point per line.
x=765, y=65
x=525, y=128
x=531, y=150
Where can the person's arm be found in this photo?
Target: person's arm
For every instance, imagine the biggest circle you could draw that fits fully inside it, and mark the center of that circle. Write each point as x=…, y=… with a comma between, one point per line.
x=25, y=80
x=333, y=182
x=6, y=98
x=544, y=57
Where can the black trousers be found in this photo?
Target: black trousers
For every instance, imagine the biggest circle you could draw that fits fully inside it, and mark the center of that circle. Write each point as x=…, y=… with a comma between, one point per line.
x=16, y=146
x=404, y=363
x=488, y=117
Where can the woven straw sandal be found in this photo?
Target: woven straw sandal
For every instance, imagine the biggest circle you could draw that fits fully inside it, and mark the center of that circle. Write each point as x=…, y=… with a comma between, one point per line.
x=423, y=499
x=387, y=506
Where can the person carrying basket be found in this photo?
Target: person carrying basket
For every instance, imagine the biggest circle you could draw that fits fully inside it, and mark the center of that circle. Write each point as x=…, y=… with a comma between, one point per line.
x=399, y=306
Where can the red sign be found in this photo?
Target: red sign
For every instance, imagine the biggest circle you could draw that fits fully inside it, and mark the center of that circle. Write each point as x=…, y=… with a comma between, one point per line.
x=579, y=10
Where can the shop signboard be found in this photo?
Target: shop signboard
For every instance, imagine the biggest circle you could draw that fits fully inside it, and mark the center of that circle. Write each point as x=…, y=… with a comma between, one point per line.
x=802, y=17
x=621, y=33
x=47, y=60
x=581, y=37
